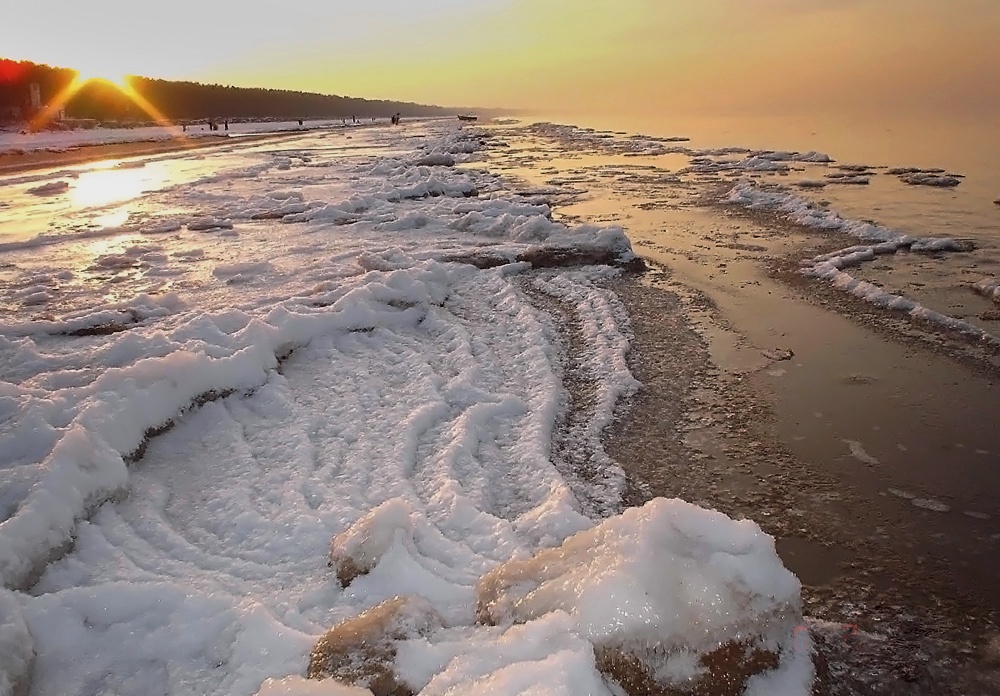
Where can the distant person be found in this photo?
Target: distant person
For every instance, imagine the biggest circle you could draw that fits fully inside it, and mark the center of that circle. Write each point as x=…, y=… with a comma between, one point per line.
x=227, y=124
x=300, y=122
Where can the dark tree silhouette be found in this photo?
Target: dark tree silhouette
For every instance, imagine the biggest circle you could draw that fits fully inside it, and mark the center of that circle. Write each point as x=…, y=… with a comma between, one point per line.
x=183, y=101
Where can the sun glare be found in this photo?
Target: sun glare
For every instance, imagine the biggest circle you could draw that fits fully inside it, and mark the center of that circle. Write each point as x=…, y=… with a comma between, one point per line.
x=120, y=81
x=85, y=76
x=101, y=71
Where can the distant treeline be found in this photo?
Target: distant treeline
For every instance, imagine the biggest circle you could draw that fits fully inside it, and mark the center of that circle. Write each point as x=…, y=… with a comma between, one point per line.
x=182, y=101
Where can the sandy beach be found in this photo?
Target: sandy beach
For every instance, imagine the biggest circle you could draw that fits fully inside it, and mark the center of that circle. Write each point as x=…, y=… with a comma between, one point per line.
x=855, y=436
x=12, y=162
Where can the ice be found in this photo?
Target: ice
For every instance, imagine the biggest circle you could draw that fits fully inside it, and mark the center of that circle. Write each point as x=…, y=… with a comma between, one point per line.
x=658, y=581
x=848, y=179
x=209, y=223
x=543, y=656
x=988, y=287
x=930, y=504
x=924, y=179
x=193, y=422
x=17, y=651
x=879, y=240
x=859, y=453
x=663, y=573
x=49, y=189
x=916, y=176
x=297, y=686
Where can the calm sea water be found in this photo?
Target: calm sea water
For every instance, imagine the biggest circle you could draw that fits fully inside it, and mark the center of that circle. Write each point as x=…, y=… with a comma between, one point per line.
x=970, y=148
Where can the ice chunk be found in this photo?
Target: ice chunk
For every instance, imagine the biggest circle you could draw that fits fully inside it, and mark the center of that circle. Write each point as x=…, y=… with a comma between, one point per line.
x=656, y=582
x=930, y=504
x=209, y=223
x=925, y=179
x=436, y=159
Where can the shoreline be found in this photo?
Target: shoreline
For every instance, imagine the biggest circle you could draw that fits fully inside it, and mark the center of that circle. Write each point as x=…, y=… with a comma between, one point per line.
x=860, y=447
x=19, y=162
x=773, y=400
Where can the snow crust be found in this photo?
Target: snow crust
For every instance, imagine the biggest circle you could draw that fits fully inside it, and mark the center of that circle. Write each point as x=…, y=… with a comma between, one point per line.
x=286, y=349
x=669, y=574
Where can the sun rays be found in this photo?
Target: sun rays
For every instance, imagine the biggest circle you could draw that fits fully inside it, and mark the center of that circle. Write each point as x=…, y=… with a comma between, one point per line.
x=51, y=110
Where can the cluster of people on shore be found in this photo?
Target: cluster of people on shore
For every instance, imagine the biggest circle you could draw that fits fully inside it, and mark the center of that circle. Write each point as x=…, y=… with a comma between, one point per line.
x=212, y=125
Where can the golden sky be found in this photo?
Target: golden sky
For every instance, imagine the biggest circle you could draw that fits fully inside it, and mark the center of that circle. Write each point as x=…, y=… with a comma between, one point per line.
x=713, y=56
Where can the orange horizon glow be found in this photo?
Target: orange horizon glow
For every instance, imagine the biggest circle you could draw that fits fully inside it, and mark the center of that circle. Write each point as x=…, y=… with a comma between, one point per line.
x=855, y=59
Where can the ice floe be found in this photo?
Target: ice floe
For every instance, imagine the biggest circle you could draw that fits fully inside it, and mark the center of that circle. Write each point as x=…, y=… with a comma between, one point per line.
x=925, y=179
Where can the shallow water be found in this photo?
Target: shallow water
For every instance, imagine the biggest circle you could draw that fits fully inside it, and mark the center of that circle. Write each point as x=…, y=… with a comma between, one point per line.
x=969, y=148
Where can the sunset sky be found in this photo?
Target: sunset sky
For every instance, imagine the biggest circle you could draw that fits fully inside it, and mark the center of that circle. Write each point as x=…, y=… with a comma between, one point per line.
x=565, y=55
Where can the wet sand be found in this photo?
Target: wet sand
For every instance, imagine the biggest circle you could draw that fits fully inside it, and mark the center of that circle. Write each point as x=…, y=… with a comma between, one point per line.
x=862, y=441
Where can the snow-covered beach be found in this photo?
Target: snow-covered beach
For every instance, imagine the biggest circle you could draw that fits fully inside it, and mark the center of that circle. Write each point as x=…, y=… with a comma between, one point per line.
x=416, y=345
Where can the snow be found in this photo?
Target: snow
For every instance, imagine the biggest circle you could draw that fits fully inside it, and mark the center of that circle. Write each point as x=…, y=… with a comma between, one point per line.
x=877, y=239
x=60, y=140
x=656, y=575
x=272, y=351
x=298, y=686
x=988, y=287
x=17, y=651
x=859, y=453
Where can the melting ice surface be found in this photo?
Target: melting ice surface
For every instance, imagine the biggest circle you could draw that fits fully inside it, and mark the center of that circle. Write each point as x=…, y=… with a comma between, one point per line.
x=277, y=343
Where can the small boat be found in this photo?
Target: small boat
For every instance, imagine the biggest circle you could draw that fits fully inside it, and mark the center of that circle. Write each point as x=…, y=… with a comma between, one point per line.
x=462, y=117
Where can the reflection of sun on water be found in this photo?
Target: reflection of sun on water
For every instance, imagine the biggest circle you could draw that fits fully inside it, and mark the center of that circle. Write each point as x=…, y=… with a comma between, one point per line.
x=102, y=187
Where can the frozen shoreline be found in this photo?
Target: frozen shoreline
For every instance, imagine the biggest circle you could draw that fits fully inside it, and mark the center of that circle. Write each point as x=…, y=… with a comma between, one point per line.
x=293, y=328
x=25, y=153
x=335, y=275
x=825, y=417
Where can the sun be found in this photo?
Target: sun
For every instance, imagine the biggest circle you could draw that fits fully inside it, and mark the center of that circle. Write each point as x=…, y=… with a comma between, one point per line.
x=117, y=79
x=97, y=73
x=99, y=67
